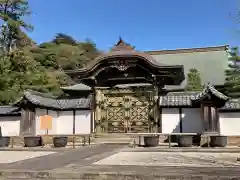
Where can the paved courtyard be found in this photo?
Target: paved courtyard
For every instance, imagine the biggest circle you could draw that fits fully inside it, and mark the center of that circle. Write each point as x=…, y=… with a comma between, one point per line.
x=192, y=159
x=120, y=159
x=15, y=156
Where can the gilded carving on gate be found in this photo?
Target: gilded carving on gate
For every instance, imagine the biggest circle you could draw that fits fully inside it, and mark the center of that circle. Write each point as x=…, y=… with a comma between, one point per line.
x=125, y=109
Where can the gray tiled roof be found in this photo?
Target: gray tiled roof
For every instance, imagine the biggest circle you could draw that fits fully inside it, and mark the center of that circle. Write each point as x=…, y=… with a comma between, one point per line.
x=40, y=99
x=9, y=110
x=77, y=87
x=232, y=104
x=132, y=85
x=186, y=98
x=176, y=99
x=209, y=88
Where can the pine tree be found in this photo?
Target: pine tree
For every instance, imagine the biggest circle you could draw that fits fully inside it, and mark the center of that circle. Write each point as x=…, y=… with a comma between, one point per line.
x=61, y=38
x=194, y=80
x=232, y=81
x=12, y=13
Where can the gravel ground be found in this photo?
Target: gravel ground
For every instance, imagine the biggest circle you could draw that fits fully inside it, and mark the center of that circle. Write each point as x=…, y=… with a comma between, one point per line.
x=14, y=156
x=193, y=159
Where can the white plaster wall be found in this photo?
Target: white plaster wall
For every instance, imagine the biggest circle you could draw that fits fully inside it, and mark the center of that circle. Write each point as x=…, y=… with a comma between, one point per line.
x=65, y=122
x=192, y=120
x=10, y=125
x=62, y=122
x=83, y=122
x=41, y=112
x=54, y=115
x=170, y=120
x=229, y=123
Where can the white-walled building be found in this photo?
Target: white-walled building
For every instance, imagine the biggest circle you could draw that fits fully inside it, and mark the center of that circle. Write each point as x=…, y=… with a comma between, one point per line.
x=126, y=91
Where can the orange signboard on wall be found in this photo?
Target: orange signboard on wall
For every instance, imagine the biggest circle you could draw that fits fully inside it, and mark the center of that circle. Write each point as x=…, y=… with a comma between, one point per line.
x=46, y=122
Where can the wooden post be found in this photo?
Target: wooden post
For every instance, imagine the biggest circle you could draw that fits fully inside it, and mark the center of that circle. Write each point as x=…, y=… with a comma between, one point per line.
x=12, y=142
x=74, y=128
x=74, y=121
x=180, y=119
x=205, y=117
x=73, y=141
x=47, y=129
x=134, y=141
x=89, y=140
x=160, y=121
x=84, y=140
x=169, y=140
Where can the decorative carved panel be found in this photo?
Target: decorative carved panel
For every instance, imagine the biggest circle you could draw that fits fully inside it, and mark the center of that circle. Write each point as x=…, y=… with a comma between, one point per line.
x=139, y=119
x=126, y=113
x=116, y=120
x=139, y=116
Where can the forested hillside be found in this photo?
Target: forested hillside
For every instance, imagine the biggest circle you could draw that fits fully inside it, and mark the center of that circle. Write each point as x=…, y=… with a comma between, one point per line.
x=28, y=65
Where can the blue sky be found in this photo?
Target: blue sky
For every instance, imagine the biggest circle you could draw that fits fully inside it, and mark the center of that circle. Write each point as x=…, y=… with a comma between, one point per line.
x=146, y=24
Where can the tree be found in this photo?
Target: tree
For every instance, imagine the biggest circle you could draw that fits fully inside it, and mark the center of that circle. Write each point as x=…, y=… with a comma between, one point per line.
x=12, y=13
x=61, y=38
x=194, y=80
x=20, y=72
x=232, y=81
x=64, y=52
x=38, y=67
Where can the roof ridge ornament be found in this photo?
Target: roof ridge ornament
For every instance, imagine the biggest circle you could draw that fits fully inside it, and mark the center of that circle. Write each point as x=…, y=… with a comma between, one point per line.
x=209, y=88
x=121, y=45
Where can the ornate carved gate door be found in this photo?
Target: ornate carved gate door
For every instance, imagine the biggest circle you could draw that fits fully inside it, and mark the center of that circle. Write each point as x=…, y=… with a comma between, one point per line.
x=115, y=114
x=127, y=113
x=139, y=115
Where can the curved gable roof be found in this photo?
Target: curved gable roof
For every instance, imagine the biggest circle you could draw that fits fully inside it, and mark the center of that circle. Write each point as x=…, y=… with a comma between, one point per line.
x=40, y=99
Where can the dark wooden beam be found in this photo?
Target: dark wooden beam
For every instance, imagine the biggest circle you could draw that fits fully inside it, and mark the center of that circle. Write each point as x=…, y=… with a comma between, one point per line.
x=180, y=120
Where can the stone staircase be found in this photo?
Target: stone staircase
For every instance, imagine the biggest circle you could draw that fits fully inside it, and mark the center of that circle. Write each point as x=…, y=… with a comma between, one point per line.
x=120, y=139
x=111, y=139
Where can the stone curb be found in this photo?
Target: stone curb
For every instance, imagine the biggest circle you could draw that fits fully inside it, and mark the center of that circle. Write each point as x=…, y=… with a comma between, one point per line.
x=36, y=149
x=52, y=149
x=204, y=150
x=103, y=176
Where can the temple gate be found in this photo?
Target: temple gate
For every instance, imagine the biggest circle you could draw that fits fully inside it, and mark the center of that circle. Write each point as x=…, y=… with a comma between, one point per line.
x=126, y=84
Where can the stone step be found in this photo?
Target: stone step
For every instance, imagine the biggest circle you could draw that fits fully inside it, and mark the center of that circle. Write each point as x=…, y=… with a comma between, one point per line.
x=122, y=138
x=125, y=140
x=111, y=135
x=119, y=136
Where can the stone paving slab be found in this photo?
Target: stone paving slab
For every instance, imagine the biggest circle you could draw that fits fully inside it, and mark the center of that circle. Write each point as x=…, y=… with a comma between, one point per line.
x=35, y=149
x=128, y=173
x=62, y=159
x=193, y=159
x=15, y=156
x=184, y=149
x=158, y=170
x=114, y=162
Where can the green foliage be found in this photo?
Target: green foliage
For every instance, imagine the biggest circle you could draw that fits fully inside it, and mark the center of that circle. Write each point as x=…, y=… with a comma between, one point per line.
x=19, y=72
x=61, y=38
x=232, y=81
x=12, y=13
x=67, y=54
x=25, y=65
x=194, y=80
